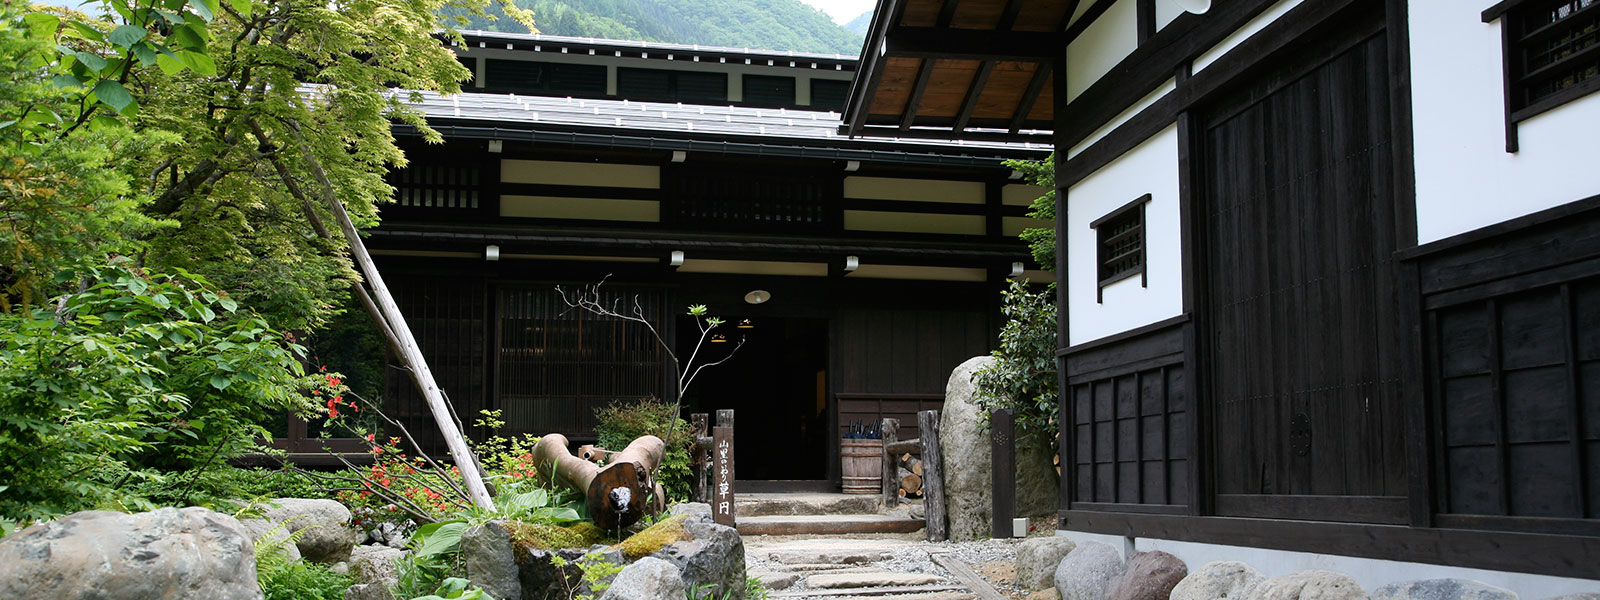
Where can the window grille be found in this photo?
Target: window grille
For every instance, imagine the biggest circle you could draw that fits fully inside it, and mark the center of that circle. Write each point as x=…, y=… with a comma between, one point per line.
x=549, y=78
x=829, y=94
x=437, y=186
x=1552, y=55
x=1121, y=243
x=659, y=85
x=763, y=90
x=761, y=200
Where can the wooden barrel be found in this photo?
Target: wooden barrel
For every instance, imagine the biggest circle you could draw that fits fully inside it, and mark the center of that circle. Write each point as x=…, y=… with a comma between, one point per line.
x=861, y=465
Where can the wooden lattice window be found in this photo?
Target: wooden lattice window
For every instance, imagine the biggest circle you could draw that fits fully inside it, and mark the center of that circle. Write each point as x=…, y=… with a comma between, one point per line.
x=1121, y=242
x=437, y=186
x=1552, y=55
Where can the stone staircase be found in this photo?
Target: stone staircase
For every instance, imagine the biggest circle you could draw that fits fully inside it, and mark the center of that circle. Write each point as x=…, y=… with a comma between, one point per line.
x=839, y=547
x=819, y=514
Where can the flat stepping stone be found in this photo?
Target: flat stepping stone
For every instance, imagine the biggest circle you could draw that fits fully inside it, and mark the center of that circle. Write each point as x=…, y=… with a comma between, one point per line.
x=860, y=580
x=952, y=595
x=819, y=567
x=837, y=557
x=776, y=581
x=753, y=505
x=876, y=593
x=827, y=524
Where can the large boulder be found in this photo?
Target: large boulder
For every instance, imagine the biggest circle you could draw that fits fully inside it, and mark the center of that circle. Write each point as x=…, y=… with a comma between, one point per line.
x=1037, y=559
x=1308, y=585
x=491, y=560
x=711, y=558
x=1217, y=581
x=964, y=445
x=1087, y=571
x=1442, y=589
x=328, y=536
x=1150, y=576
x=1038, y=485
x=375, y=564
x=649, y=578
x=103, y=555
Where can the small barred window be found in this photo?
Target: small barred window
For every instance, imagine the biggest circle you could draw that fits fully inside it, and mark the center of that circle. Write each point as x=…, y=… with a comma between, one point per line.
x=1121, y=243
x=1552, y=55
x=436, y=186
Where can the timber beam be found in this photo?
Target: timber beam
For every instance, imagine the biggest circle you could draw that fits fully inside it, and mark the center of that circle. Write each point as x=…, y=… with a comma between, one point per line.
x=973, y=44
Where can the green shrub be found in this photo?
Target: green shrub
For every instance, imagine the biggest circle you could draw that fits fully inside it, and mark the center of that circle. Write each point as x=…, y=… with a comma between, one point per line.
x=622, y=422
x=1023, y=376
x=139, y=379
x=303, y=580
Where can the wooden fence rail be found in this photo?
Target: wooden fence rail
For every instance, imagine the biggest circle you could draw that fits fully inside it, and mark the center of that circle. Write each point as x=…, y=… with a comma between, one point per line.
x=932, y=463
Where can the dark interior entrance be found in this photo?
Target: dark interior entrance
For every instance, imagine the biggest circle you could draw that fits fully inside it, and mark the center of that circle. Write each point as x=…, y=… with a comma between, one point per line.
x=777, y=385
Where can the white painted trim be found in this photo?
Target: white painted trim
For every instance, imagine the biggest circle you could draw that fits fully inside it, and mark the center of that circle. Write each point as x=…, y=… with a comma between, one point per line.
x=1243, y=33
x=1370, y=573
x=1125, y=116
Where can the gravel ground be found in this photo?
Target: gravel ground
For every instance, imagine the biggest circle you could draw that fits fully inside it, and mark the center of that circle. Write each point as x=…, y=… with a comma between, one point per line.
x=906, y=554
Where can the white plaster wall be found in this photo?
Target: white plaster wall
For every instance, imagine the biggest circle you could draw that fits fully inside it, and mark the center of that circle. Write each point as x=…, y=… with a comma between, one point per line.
x=1150, y=168
x=1370, y=573
x=1465, y=178
x=1107, y=41
x=1167, y=11
x=1126, y=115
x=1243, y=33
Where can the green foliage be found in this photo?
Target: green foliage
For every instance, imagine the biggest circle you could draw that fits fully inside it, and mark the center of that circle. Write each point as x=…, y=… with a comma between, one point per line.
x=511, y=457
x=773, y=25
x=139, y=378
x=1023, y=375
x=456, y=588
x=1041, y=241
x=755, y=590
x=623, y=422
x=419, y=576
x=597, y=573
x=303, y=580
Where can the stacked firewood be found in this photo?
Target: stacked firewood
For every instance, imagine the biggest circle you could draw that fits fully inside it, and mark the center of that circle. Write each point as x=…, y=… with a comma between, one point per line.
x=910, y=476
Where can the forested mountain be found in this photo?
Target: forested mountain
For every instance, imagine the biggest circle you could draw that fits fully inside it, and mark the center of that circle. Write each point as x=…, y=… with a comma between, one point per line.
x=755, y=24
x=860, y=24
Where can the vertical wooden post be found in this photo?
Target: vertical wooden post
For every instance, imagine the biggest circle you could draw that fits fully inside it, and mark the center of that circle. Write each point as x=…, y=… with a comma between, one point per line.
x=1003, y=480
x=891, y=468
x=722, y=474
x=932, y=477
x=699, y=457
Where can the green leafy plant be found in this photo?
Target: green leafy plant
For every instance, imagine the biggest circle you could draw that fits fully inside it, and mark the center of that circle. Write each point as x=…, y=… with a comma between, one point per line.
x=597, y=573
x=755, y=590
x=1041, y=241
x=281, y=579
x=137, y=379
x=1023, y=375
x=623, y=422
x=456, y=588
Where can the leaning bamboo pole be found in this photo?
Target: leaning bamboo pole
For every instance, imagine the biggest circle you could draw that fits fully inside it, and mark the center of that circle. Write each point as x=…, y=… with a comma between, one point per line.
x=396, y=323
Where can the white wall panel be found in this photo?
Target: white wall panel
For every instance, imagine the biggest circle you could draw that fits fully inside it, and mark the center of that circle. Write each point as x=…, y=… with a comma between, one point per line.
x=1465, y=178
x=1238, y=37
x=1111, y=38
x=1151, y=168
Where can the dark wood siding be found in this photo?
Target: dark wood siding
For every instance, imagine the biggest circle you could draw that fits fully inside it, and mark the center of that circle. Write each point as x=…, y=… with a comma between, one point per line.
x=894, y=363
x=1513, y=343
x=1300, y=317
x=447, y=317
x=558, y=364
x=1126, y=398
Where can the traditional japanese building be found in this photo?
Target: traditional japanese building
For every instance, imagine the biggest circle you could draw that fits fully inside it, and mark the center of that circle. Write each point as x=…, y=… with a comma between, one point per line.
x=1331, y=271
x=857, y=273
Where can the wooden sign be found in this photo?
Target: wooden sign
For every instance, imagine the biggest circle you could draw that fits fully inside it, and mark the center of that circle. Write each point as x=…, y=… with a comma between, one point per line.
x=722, y=506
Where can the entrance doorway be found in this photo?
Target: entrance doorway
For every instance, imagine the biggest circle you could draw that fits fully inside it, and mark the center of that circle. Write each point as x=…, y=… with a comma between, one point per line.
x=777, y=385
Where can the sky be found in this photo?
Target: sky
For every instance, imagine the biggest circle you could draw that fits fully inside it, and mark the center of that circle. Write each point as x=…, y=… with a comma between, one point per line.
x=842, y=10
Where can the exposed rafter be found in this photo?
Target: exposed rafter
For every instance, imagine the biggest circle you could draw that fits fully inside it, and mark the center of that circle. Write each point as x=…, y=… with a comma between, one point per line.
x=1041, y=73
x=1008, y=16
x=973, y=92
x=947, y=12
x=924, y=71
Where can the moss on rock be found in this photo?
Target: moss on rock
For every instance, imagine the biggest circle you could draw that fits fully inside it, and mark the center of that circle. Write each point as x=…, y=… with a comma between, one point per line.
x=531, y=536
x=654, y=538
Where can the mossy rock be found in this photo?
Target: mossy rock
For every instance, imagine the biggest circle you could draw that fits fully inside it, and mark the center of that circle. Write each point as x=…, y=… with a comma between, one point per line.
x=530, y=536
x=654, y=538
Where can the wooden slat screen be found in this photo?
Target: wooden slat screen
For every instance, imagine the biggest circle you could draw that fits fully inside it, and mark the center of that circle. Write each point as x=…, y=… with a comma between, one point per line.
x=447, y=317
x=558, y=364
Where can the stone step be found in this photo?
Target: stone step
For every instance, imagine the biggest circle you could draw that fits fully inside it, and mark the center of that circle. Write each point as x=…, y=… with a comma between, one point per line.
x=951, y=595
x=826, y=524
x=870, y=580
x=760, y=505
x=812, y=558
x=827, y=567
x=884, y=593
